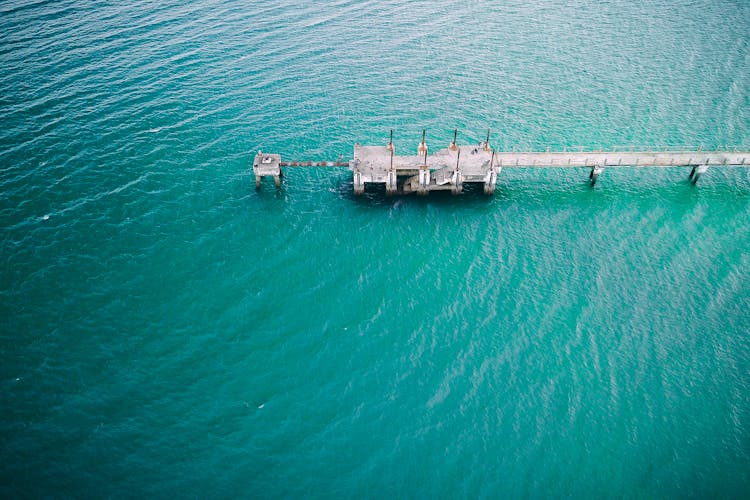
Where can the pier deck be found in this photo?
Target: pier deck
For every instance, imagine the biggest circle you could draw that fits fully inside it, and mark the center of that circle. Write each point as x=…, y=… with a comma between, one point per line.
x=451, y=167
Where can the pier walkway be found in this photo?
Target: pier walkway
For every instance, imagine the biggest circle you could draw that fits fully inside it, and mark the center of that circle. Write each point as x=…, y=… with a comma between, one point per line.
x=450, y=168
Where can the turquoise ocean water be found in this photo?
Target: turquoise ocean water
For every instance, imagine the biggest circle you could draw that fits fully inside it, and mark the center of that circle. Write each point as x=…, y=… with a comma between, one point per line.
x=167, y=330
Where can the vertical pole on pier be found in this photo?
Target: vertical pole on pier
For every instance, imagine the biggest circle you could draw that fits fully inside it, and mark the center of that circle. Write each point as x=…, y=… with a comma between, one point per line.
x=453, y=145
x=491, y=178
x=487, y=141
x=456, y=184
x=424, y=171
x=391, y=183
x=422, y=149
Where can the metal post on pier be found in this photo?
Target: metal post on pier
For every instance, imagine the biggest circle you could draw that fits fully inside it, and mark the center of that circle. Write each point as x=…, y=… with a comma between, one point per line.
x=422, y=149
x=490, y=179
x=391, y=186
x=424, y=171
x=456, y=184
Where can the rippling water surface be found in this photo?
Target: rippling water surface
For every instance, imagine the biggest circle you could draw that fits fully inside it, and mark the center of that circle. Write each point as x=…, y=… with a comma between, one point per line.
x=167, y=330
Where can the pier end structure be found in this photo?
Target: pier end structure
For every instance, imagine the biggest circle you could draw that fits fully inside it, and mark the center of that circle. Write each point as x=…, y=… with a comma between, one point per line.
x=267, y=165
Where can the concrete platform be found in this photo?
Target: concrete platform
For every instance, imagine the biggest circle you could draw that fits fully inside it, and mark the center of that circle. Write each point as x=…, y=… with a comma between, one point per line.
x=267, y=165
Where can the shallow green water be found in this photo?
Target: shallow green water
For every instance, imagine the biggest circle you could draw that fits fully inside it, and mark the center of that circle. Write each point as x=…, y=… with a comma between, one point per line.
x=167, y=330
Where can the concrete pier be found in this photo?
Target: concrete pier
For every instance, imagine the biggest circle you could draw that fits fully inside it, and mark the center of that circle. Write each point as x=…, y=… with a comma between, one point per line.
x=452, y=167
x=267, y=165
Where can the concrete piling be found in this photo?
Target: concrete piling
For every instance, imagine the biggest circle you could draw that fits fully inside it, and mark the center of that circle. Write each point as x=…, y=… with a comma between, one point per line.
x=359, y=185
x=594, y=175
x=424, y=180
x=456, y=182
x=699, y=170
x=391, y=187
x=491, y=178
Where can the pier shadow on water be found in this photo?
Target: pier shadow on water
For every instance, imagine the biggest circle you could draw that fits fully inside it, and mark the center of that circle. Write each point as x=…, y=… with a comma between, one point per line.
x=543, y=188
x=571, y=188
x=375, y=196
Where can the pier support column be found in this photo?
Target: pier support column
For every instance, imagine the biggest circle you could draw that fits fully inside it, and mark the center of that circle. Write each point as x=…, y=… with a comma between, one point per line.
x=491, y=180
x=359, y=185
x=391, y=185
x=457, y=178
x=697, y=171
x=258, y=180
x=424, y=180
x=595, y=174
x=277, y=181
x=457, y=184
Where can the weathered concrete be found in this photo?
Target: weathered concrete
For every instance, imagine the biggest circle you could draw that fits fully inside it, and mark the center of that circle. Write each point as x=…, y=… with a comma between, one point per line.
x=267, y=165
x=450, y=168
